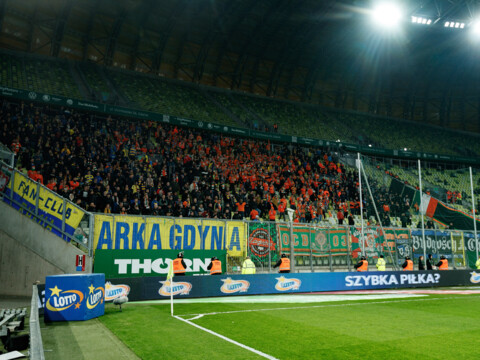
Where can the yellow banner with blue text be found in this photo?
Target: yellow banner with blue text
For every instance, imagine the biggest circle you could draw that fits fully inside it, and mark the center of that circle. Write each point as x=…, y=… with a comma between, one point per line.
x=150, y=233
x=50, y=205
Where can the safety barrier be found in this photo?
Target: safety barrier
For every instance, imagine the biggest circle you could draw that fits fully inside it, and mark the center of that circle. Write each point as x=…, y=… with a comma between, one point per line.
x=48, y=209
x=150, y=288
x=36, y=345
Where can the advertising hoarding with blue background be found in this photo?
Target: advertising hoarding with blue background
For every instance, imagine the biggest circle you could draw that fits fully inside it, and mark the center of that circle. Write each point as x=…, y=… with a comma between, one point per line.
x=74, y=297
x=149, y=288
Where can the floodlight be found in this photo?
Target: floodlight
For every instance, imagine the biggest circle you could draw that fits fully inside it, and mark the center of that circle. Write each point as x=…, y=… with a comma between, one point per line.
x=405, y=149
x=421, y=20
x=462, y=25
x=457, y=25
x=447, y=23
x=475, y=27
x=387, y=14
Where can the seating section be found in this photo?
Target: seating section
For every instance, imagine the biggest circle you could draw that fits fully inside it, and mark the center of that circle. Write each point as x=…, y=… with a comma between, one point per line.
x=164, y=97
x=51, y=77
x=95, y=82
x=12, y=324
x=13, y=73
x=226, y=100
x=154, y=94
x=38, y=74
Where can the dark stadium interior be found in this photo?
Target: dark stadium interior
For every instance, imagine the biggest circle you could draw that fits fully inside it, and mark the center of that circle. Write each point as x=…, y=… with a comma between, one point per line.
x=320, y=52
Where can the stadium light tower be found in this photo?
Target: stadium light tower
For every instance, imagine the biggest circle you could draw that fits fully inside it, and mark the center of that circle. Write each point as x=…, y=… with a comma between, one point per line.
x=387, y=14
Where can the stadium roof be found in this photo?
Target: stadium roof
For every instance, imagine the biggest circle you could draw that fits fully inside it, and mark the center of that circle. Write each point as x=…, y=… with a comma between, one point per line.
x=319, y=51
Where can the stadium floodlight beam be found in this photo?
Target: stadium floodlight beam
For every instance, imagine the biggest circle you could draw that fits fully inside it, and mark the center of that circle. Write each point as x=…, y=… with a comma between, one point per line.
x=387, y=14
x=475, y=28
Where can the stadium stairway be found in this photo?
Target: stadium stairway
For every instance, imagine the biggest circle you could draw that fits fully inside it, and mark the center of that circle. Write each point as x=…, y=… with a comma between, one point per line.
x=28, y=253
x=77, y=77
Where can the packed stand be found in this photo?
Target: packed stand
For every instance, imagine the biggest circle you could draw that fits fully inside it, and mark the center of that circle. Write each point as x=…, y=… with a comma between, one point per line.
x=131, y=167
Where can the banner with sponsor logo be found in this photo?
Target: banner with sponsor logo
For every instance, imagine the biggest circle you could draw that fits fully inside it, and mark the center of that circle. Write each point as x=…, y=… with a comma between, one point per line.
x=156, y=233
x=74, y=297
x=138, y=263
x=51, y=206
x=149, y=288
x=313, y=240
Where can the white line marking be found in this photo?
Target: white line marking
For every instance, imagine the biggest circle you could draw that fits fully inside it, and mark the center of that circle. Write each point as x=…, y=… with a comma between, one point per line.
x=283, y=298
x=196, y=317
x=324, y=306
x=228, y=339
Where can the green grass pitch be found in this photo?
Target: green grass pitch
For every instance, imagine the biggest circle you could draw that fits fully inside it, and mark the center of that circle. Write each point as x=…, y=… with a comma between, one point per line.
x=429, y=327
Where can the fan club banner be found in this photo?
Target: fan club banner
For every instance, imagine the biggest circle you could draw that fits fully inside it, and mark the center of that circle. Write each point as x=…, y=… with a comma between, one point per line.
x=262, y=242
x=155, y=233
x=312, y=240
x=376, y=243
x=51, y=207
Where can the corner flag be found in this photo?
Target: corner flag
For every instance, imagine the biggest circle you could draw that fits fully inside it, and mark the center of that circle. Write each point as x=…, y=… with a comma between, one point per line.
x=170, y=280
x=170, y=271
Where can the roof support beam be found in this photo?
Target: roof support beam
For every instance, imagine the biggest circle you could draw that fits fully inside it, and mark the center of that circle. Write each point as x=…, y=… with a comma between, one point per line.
x=60, y=27
x=112, y=40
x=145, y=12
x=166, y=32
x=31, y=28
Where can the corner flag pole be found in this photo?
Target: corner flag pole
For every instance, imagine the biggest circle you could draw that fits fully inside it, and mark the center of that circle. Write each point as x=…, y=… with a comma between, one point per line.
x=170, y=279
x=473, y=213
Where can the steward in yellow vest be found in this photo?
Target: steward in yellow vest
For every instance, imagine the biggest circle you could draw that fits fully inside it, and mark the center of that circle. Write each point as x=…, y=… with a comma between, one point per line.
x=381, y=263
x=248, y=267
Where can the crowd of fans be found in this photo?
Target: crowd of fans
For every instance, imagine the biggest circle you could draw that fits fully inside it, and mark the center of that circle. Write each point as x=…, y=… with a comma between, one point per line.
x=125, y=166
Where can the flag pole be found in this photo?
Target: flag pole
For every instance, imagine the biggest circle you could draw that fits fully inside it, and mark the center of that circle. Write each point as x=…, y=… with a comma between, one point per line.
x=171, y=297
x=421, y=214
x=474, y=215
x=361, y=200
x=170, y=279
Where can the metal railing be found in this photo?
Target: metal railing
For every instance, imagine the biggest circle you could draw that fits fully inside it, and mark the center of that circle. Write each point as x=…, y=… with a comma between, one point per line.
x=48, y=209
x=36, y=345
x=323, y=248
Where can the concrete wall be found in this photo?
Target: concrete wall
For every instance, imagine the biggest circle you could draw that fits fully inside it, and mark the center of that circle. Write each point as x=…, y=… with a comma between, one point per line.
x=28, y=253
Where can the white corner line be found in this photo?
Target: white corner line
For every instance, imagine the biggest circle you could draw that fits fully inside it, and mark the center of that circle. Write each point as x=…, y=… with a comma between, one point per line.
x=266, y=356
x=423, y=298
x=196, y=317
